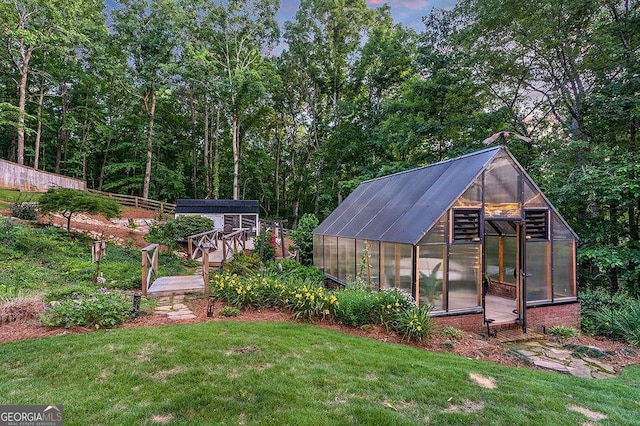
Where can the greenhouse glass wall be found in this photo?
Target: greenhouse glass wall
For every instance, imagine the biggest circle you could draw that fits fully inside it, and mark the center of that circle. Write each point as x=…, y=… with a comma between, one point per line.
x=469, y=235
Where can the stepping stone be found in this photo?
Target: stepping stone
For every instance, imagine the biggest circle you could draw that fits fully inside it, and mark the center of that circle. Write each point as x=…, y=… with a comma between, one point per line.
x=179, y=306
x=180, y=316
x=606, y=367
x=558, y=354
x=584, y=372
x=163, y=308
x=549, y=365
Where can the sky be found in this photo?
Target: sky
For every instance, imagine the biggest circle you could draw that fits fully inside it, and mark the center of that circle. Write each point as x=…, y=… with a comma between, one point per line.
x=407, y=12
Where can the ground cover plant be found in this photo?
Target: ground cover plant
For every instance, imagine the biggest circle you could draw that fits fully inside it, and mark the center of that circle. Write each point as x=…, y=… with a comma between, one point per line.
x=616, y=316
x=230, y=372
x=40, y=259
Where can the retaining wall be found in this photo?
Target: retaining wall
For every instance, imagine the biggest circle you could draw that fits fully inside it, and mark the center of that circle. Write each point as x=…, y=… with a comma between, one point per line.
x=23, y=178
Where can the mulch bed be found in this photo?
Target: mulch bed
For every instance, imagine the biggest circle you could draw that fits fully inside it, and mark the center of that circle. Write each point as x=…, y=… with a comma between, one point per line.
x=472, y=346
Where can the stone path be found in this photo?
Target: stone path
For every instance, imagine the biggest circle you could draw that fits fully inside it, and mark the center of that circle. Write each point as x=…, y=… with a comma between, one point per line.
x=174, y=308
x=577, y=361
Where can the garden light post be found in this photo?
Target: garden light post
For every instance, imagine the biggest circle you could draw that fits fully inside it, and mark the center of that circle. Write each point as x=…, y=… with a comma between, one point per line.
x=210, y=305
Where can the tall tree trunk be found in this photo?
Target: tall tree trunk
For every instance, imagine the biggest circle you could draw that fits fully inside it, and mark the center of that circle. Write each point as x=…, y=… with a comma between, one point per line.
x=63, y=133
x=235, y=133
x=216, y=156
x=206, y=154
x=22, y=103
x=150, y=108
x=36, y=148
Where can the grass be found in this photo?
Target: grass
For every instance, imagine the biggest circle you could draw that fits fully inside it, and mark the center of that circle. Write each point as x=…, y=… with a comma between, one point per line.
x=13, y=195
x=289, y=374
x=41, y=259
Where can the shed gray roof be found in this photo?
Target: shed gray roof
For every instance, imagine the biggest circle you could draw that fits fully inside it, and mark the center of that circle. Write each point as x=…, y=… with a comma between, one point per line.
x=217, y=206
x=402, y=207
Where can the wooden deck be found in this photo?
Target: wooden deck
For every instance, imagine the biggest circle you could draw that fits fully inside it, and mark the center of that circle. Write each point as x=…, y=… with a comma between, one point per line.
x=174, y=285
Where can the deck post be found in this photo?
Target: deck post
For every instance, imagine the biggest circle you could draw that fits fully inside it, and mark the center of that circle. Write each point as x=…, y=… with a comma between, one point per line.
x=145, y=284
x=205, y=270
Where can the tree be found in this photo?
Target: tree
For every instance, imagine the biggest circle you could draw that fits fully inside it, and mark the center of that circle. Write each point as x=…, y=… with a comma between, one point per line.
x=68, y=201
x=147, y=32
x=303, y=237
x=231, y=38
x=28, y=26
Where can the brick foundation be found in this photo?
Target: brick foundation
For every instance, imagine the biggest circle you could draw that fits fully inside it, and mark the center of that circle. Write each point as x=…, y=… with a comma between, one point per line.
x=470, y=322
x=566, y=314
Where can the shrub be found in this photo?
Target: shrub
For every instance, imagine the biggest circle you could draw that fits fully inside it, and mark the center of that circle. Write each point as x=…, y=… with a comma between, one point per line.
x=291, y=270
x=263, y=248
x=96, y=310
x=174, y=231
x=617, y=317
x=452, y=333
x=303, y=237
x=357, y=307
x=562, y=332
x=307, y=303
x=415, y=323
x=229, y=311
x=241, y=264
x=24, y=210
x=391, y=304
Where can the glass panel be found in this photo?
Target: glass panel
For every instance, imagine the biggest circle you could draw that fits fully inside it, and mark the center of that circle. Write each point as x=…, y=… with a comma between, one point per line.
x=406, y=269
x=387, y=265
x=509, y=260
x=437, y=233
x=318, y=249
x=431, y=268
x=464, y=276
x=532, y=197
x=491, y=260
x=560, y=230
x=374, y=262
x=472, y=197
x=364, y=267
x=330, y=253
x=346, y=260
x=538, y=271
x=398, y=265
x=501, y=193
x=563, y=269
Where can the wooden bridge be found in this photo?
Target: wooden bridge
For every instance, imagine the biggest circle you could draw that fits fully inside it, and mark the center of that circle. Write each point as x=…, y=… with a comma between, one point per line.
x=211, y=249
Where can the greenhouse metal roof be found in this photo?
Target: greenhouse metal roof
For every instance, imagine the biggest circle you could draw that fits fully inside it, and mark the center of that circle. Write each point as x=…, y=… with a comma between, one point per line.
x=402, y=207
x=216, y=206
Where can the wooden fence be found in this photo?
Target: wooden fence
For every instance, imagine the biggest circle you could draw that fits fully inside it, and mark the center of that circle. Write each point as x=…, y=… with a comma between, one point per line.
x=134, y=201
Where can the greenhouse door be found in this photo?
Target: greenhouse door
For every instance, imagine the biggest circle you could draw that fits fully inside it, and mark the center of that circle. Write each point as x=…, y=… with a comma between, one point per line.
x=503, y=289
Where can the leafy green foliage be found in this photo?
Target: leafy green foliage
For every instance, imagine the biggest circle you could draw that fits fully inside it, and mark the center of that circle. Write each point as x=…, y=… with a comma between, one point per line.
x=303, y=237
x=68, y=201
x=562, y=332
x=174, y=231
x=24, y=210
x=229, y=311
x=291, y=270
x=97, y=310
x=452, y=333
x=263, y=247
x=617, y=317
x=415, y=323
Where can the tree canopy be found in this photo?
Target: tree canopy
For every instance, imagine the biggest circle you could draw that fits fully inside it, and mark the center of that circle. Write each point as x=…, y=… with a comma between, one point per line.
x=194, y=99
x=69, y=201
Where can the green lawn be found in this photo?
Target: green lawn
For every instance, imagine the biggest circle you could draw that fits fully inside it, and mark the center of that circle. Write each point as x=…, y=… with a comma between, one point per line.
x=288, y=373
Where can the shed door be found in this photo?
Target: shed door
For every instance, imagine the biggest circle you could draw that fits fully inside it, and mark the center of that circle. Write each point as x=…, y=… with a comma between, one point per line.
x=504, y=262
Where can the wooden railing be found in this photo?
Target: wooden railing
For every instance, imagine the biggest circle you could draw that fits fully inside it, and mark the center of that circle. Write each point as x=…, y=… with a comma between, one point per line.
x=134, y=201
x=199, y=242
x=234, y=242
x=149, y=266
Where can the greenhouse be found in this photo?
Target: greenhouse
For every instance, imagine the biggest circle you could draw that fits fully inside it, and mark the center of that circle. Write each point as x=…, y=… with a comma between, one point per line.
x=469, y=236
